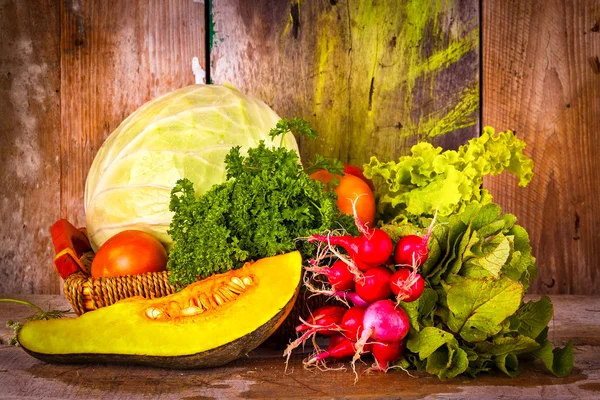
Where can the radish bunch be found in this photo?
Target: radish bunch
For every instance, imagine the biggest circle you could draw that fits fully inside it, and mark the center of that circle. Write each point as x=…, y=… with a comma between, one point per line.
x=360, y=277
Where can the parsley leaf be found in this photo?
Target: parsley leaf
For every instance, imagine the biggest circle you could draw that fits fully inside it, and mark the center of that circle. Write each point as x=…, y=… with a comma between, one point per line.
x=264, y=206
x=334, y=166
x=296, y=125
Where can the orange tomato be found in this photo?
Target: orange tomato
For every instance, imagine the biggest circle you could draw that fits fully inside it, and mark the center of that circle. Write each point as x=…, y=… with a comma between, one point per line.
x=129, y=252
x=352, y=188
x=357, y=171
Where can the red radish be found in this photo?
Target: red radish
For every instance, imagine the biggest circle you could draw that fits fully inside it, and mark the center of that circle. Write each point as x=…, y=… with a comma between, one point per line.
x=345, y=348
x=386, y=353
x=382, y=322
x=325, y=320
x=407, y=285
x=372, y=248
x=358, y=172
x=352, y=322
x=375, y=284
x=338, y=275
x=335, y=340
x=340, y=295
x=412, y=250
x=354, y=298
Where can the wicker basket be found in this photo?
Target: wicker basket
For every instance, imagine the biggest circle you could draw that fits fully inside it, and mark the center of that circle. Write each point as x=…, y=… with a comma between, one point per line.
x=87, y=294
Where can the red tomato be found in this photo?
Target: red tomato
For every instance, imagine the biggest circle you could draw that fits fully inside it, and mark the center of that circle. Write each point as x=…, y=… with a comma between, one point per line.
x=350, y=189
x=129, y=253
x=357, y=171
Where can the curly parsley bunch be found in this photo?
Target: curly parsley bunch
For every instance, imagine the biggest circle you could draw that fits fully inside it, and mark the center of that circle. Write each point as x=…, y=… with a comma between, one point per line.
x=267, y=202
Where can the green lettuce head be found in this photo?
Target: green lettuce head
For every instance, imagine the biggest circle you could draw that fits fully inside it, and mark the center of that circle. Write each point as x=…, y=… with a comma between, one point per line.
x=183, y=134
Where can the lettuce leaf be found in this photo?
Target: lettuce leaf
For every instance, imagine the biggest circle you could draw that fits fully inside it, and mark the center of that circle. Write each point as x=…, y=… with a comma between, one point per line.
x=430, y=179
x=478, y=306
x=559, y=361
x=440, y=349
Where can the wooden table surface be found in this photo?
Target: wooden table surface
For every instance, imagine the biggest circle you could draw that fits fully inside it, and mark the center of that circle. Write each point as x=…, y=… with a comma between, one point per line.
x=262, y=374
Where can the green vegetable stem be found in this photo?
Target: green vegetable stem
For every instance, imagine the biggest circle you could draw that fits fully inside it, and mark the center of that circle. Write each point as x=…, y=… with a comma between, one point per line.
x=40, y=314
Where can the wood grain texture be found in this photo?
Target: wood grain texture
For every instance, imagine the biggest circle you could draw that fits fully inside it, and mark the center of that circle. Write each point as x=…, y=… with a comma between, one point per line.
x=541, y=78
x=29, y=144
x=372, y=78
x=116, y=56
x=262, y=375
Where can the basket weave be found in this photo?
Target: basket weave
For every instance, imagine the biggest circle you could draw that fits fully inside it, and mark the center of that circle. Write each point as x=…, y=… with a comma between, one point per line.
x=86, y=293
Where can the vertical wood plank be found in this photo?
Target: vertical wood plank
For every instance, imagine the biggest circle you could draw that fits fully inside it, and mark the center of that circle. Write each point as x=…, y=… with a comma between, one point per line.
x=371, y=77
x=29, y=144
x=542, y=79
x=115, y=57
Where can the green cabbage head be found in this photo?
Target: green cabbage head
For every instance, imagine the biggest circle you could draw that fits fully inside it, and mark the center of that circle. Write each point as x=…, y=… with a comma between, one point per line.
x=185, y=133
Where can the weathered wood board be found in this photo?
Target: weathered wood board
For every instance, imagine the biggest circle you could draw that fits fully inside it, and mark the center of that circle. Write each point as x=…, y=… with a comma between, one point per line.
x=29, y=144
x=116, y=56
x=263, y=375
x=542, y=79
x=371, y=77
x=70, y=72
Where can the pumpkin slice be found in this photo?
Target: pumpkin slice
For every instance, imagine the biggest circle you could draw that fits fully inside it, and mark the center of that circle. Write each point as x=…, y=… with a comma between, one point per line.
x=209, y=323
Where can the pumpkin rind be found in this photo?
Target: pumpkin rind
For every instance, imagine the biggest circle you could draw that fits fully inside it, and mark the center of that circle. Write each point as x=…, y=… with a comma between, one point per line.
x=123, y=333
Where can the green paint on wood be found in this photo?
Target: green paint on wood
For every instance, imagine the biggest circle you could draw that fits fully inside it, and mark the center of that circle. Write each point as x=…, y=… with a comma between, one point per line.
x=423, y=19
x=461, y=116
x=445, y=57
x=412, y=66
x=213, y=35
x=371, y=77
x=325, y=48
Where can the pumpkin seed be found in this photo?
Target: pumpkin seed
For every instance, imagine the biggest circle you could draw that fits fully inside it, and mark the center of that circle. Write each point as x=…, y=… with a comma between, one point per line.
x=202, y=299
x=225, y=292
x=238, y=282
x=218, y=299
x=194, y=302
x=153, y=313
x=247, y=280
x=232, y=287
x=189, y=311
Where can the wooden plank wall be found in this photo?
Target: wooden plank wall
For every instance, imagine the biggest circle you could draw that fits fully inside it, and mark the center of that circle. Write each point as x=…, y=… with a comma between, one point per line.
x=542, y=78
x=29, y=143
x=70, y=72
x=372, y=80
x=115, y=56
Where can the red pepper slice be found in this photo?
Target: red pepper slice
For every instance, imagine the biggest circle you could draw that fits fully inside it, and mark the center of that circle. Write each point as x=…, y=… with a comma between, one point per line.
x=69, y=243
